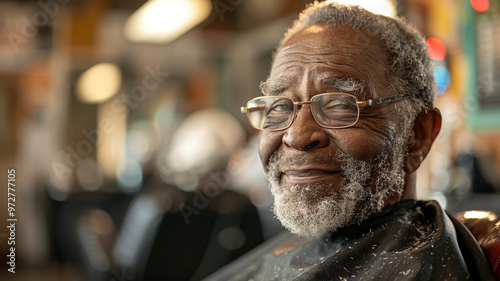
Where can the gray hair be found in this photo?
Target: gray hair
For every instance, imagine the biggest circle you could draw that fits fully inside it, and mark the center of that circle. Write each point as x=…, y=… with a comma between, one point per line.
x=409, y=68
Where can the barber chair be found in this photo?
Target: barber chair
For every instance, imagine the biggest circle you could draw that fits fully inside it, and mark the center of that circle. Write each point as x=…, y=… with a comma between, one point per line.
x=485, y=226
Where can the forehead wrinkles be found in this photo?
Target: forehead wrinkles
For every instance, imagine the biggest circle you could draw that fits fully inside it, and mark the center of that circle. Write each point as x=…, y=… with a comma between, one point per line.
x=305, y=54
x=341, y=53
x=304, y=47
x=343, y=59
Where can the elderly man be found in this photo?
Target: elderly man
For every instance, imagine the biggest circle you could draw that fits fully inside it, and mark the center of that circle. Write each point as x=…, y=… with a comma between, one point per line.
x=346, y=120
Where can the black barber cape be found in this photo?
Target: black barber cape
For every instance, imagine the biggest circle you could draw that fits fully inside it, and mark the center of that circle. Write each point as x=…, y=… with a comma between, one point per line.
x=409, y=240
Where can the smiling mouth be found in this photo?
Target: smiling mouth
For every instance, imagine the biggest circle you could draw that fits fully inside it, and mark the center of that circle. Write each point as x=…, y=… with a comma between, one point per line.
x=309, y=176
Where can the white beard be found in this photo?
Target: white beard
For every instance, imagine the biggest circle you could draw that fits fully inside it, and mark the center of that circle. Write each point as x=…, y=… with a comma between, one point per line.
x=312, y=210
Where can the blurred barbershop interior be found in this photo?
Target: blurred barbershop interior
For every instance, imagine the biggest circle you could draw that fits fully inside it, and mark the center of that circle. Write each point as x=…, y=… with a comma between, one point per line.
x=133, y=162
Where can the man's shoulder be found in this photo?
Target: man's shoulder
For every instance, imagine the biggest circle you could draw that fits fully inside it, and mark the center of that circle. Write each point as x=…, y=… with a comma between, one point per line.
x=415, y=240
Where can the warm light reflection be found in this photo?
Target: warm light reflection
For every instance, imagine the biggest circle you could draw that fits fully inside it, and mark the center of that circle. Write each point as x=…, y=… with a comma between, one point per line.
x=98, y=83
x=161, y=21
x=381, y=7
x=314, y=29
x=479, y=215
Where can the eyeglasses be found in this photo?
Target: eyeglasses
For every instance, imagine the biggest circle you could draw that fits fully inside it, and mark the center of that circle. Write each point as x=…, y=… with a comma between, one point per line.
x=330, y=110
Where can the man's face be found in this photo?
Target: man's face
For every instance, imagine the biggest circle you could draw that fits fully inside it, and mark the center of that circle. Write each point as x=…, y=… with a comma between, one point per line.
x=326, y=178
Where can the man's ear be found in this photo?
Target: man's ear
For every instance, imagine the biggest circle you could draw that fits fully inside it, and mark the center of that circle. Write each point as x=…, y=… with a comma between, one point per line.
x=425, y=130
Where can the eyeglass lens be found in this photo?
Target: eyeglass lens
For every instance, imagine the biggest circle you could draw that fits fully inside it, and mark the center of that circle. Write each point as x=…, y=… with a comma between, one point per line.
x=270, y=113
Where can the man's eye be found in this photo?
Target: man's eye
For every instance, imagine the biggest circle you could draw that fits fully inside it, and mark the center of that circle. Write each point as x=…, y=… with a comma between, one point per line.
x=281, y=108
x=338, y=106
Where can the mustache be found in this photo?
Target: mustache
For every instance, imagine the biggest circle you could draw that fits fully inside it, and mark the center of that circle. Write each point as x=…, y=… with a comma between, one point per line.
x=338, y=160
x=350, y=168
x=278, y=160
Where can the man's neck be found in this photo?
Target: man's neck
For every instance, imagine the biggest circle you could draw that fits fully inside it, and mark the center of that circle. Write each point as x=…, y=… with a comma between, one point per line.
x=409, y=190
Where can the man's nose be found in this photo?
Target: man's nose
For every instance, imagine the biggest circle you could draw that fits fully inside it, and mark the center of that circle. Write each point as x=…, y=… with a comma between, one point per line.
x=304, y=133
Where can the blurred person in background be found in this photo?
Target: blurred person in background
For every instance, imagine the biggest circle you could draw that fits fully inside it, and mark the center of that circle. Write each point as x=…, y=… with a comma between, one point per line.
x=196, y=224
x=346, y=121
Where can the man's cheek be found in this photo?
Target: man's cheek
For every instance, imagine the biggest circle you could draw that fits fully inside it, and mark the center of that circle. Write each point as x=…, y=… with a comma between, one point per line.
x=269, y=142
x=364, y=145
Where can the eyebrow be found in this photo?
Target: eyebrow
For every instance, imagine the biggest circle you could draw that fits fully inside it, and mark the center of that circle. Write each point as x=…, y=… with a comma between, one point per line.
x=275, y=87
x=345, y=84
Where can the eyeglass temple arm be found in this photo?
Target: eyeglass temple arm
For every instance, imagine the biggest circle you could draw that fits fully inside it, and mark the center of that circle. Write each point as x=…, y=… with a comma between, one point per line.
x=378, y=101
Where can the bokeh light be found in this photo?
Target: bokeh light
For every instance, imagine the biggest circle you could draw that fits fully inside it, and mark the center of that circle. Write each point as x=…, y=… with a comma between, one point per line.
x=129, y=176
x=381, y=7
x=437, y=49
x=99, y=83
x=442, y=78
x=480, y=5
x=161, y=21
